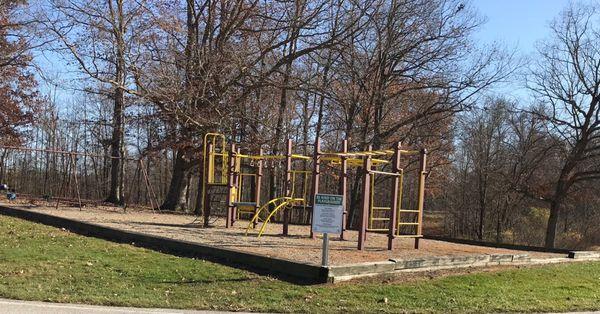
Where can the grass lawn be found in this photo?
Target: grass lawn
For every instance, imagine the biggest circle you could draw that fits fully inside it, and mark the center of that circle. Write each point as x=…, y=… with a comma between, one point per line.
x=38, y=262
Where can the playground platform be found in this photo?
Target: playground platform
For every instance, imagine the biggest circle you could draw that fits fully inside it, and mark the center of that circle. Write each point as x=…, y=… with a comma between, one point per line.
x=296, y=255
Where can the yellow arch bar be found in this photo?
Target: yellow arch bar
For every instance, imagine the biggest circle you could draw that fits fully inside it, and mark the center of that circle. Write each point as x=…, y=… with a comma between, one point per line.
x=257, y=215
x=289, y=201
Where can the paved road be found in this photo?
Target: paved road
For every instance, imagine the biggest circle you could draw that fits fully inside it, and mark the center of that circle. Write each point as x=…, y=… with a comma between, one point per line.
x=30, y=307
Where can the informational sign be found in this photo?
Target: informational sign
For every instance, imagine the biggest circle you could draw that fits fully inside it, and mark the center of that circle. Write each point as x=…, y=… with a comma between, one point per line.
x=328, y=212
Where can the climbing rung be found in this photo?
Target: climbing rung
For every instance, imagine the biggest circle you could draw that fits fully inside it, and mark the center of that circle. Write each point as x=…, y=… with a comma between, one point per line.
x=220, y=193
x=409, y=236
x=380, y=219
x=385, y=173
x=408, y=224
x=243, y=174
x=381, y=208
x=408, y=211
x=380, y=229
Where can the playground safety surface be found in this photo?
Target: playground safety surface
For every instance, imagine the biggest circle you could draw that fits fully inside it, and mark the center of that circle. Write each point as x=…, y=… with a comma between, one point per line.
x=298, y=246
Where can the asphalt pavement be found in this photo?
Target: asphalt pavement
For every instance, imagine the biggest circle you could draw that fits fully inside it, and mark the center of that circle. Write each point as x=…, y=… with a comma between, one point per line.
x=33, y=307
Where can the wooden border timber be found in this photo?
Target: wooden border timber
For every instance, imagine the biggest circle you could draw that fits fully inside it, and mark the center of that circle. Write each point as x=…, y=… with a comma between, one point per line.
x=498, y=245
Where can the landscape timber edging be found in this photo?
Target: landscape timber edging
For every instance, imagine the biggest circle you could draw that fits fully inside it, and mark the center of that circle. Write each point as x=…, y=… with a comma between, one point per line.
x=345, y=272
x=292, y=271
x=499, y=245
x=593, y=255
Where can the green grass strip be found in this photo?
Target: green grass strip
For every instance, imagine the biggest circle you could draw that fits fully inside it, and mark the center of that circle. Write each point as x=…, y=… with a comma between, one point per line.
x=38, y=262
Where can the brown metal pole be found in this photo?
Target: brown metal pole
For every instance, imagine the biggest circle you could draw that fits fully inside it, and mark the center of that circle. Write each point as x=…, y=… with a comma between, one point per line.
x=315, y=181
x=259, y=174
x=287, y=185
x=394, y=207
x=422, y=173
x=230, y=185
x=343, y=185
x=142, y=170
x=206, y=195
x=74, y=170
x=61, y=152
x=149, y=187
x=236, y=184
x=366, y=192
x=62, y=183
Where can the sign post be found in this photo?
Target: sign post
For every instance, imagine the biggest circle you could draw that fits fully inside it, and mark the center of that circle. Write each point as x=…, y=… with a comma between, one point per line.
x=328, y=213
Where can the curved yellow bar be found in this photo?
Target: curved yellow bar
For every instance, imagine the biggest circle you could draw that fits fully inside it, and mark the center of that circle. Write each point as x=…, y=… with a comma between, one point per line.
x=257, y=215
x=285, y=203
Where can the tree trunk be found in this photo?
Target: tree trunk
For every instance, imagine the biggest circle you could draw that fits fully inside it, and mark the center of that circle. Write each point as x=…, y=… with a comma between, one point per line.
x=482, y=208
x=562, y=188
x=4, y=153
x=198, y=207
x=288, y=51
x=552, y=224
x=175, y=199
x=116, y=193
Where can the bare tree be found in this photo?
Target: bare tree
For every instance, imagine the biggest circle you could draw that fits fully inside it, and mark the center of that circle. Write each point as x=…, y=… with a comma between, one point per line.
x=100, y=37
x=410, y=70
x=224, y=54
x=566, y=79
x=485, y=140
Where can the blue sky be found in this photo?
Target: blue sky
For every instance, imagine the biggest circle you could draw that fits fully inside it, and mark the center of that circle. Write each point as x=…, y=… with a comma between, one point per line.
x=517, y=24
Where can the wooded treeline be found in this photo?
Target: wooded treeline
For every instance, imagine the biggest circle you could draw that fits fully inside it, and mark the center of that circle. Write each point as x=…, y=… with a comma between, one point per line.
x=152, y=77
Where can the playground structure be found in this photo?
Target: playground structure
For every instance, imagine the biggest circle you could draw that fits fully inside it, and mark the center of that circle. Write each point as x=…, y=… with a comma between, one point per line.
x=228, y=172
